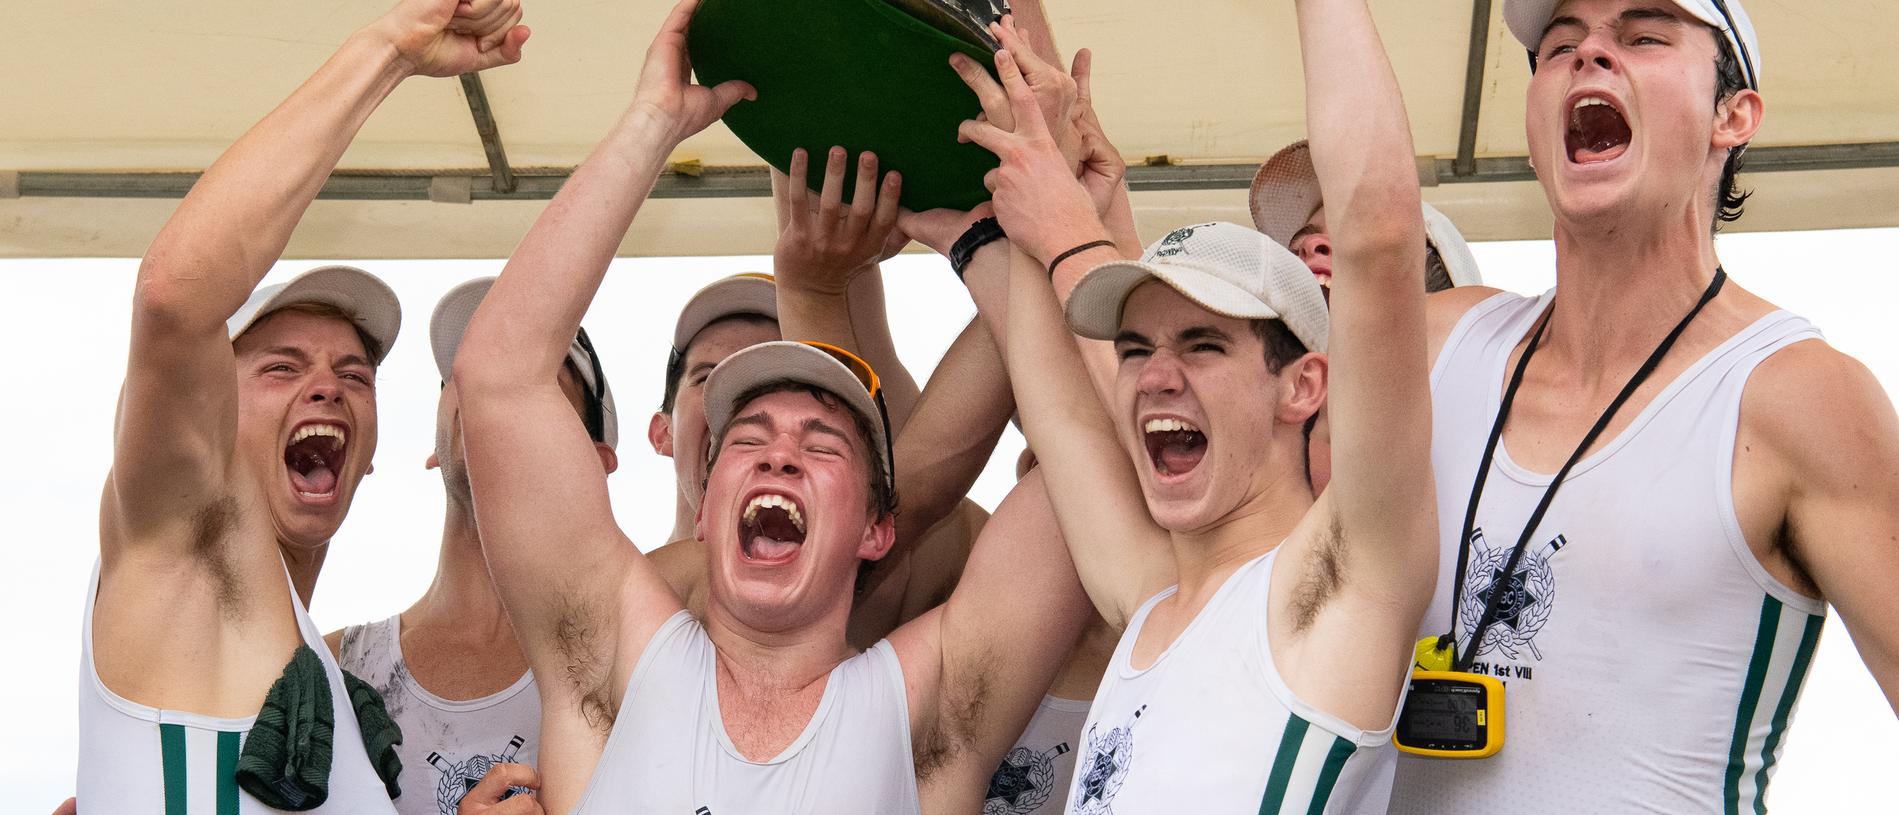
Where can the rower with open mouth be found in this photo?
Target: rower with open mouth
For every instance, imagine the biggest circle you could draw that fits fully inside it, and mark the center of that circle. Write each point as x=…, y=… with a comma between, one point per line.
x=246, y=424
x=1649, y=478
x=764, y=705
x=1267, y=631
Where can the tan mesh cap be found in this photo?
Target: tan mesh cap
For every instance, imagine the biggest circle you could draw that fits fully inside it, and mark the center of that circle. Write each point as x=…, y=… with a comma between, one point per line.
x=368, y=301
x=1225, y=268
x=450, y=322
x=1285, y=194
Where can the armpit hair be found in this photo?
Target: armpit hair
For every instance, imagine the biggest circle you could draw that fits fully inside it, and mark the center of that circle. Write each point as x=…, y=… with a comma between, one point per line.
x=963, y=708
x=1322, y=574
x=1788, y=542
x=577, y=632
x=211, y=528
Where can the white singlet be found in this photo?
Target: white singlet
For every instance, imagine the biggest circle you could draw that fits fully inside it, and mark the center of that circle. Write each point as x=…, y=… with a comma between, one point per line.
x=669, y=751
x=134, y=758
x=1651, y=663
x=447, y=746
x=1211, y=727
x=1034, y=776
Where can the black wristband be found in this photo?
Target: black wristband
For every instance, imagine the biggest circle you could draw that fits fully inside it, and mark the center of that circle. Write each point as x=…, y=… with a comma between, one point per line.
x=979, y=234
x=1073, y=252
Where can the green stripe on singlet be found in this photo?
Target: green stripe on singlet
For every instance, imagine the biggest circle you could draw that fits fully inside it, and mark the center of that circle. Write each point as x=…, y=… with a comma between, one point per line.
x=227, y=772
x=1796, y=677
x=171, y=746
x=1329, y=774
x=1283, y=761
x=1750, y=701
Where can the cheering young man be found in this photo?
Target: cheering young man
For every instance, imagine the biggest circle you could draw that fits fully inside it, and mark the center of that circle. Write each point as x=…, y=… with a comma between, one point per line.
x=764, y=706
x=1715, y=475
x=244, y=429
x=1267, y=634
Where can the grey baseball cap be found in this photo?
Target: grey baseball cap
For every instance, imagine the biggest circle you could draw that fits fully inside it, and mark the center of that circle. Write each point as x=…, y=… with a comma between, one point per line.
x=450, y=322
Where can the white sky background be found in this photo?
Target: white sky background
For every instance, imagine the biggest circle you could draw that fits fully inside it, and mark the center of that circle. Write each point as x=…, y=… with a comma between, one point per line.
x=66, y=332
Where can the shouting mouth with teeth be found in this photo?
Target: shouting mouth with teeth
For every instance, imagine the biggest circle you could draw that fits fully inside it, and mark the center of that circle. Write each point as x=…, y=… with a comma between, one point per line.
x=1597, y=130
x=314, y=459
x=771, y=529
x=1174, y=446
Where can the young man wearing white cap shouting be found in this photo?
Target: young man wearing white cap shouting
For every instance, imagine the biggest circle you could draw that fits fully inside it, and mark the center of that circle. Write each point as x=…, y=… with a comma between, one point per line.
x=449, y=668
x=244, y=429
x=1651, y=482
x=763, y=707
x=1267, y=633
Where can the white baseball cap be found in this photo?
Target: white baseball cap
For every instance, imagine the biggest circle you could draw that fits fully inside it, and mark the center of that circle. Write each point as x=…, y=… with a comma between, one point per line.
x=748, y=293
x=1225, y=268
x=450, y=322
x=1528, y=19
x=1285, y=193
x=828, y=368
x=368, y=301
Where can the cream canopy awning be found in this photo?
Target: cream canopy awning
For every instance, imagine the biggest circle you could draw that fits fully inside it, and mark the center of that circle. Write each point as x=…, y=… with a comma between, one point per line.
x=110, y=107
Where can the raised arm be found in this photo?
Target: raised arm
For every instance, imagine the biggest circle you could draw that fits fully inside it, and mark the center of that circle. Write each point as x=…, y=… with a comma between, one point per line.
x=830, y=288
x=174, y=436
x=1123, y=557
x=583, y=601
x=1380, y=401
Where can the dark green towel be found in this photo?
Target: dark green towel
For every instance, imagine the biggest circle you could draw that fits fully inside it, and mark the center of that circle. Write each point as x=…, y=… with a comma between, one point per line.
x=381, y=734
x=286, y=759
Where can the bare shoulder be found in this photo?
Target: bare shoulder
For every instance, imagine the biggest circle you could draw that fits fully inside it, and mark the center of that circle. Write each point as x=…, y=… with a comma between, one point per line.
x=1445, y=309
x=334, y=640
x=1820, y=408
x=682, y=564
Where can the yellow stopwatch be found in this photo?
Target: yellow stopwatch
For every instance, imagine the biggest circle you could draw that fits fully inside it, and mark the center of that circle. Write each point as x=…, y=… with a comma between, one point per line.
x=1449, y=714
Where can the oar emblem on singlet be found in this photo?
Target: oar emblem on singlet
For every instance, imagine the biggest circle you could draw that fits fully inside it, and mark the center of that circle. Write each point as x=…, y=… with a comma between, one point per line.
x=1528, y=595
x=458, y=779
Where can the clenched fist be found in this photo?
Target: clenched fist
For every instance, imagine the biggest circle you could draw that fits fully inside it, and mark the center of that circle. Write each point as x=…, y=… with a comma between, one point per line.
x=451, y=37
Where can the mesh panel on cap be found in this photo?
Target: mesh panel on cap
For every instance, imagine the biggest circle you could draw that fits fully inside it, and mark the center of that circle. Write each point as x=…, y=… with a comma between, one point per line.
x=1256, y=264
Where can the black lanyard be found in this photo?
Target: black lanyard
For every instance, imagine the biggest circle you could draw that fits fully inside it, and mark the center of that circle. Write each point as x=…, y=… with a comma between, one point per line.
x=1491, y=606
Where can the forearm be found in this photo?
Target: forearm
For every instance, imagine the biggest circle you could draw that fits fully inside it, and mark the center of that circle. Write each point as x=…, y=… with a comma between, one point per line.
x=956, y=425
x=870, y=326
x=554, y=273
x=1119, y=219
x=1096, y=500
x=234, y=223
x=1359, y=133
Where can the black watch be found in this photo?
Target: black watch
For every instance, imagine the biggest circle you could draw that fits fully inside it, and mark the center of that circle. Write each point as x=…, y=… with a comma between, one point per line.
x=980, y=234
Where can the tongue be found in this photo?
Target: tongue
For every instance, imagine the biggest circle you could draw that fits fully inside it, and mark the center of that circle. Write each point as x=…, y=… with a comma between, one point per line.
x=769, y=548
x=1180, y=457
x=320, y=480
